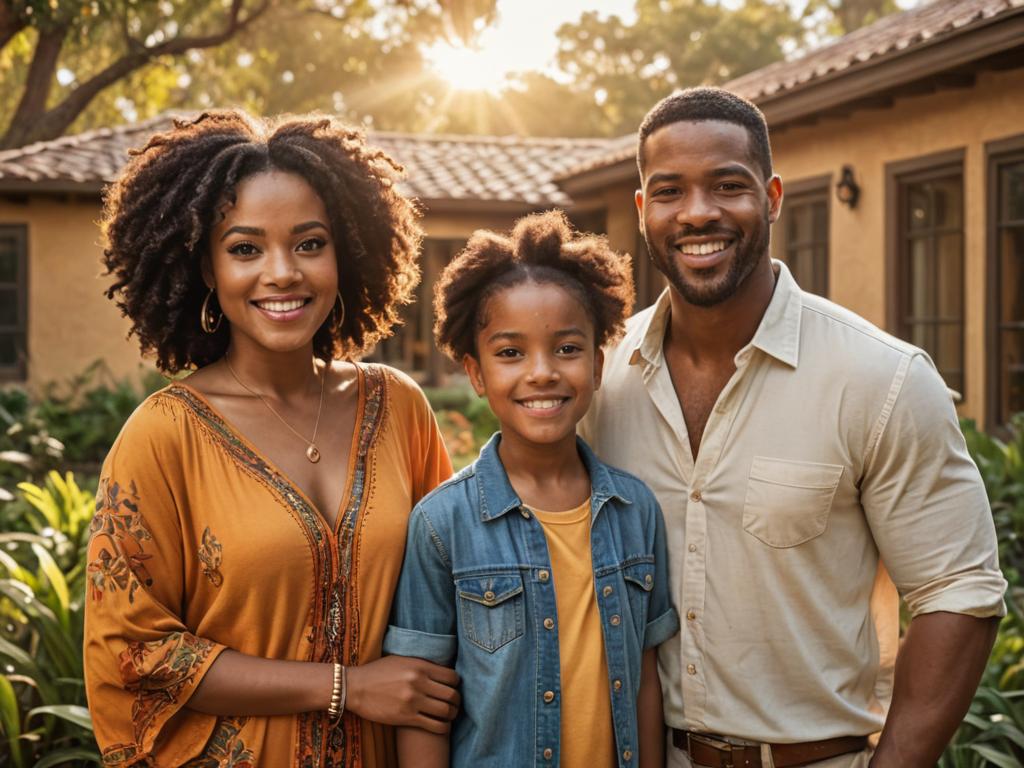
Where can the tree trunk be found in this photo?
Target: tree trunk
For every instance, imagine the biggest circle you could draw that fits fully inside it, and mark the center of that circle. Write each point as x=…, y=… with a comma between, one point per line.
x=32, y=108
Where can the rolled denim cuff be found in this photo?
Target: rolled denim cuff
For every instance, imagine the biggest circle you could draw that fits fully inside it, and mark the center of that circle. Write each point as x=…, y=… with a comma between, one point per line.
x=661, y=629
x=439, y=649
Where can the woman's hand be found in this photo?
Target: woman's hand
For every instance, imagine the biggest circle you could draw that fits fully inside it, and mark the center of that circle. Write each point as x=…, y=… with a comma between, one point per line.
x=398, y=690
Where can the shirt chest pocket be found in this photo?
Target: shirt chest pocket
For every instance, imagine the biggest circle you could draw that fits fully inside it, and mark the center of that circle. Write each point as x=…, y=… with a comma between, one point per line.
x=491, y=609
x=638, y=578
x=788, y=502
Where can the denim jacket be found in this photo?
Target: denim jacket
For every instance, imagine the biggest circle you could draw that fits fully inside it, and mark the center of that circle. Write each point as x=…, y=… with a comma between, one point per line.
x=475, y=589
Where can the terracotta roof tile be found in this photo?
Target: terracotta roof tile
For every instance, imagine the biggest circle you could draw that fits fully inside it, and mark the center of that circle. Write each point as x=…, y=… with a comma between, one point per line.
x=889, y=36
x=468, y=168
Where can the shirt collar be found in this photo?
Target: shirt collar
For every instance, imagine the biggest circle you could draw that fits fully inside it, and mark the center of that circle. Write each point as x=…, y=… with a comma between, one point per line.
x=498, y=497
x=777, y=335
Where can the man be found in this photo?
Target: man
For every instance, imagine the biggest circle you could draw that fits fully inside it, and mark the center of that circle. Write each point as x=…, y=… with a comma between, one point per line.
x=801, y=456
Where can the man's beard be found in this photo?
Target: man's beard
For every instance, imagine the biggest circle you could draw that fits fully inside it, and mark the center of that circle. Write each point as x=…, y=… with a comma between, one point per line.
x=747, y=254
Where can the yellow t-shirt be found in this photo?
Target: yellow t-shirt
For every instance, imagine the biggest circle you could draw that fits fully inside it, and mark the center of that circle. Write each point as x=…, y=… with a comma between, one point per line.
x=588, y=737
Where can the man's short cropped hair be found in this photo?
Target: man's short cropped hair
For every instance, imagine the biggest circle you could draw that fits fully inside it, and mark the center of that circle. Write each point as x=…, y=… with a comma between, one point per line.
x=706, y=103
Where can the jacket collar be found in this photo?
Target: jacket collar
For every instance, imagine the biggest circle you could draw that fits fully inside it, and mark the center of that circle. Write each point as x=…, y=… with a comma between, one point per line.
x=498, y=497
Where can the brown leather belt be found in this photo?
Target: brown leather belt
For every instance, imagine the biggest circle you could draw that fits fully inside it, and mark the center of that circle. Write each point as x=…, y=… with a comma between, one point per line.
x=705, y=750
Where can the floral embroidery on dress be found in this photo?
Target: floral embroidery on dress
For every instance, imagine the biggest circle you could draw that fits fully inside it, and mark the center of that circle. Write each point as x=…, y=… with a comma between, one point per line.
x=225, y=749
x=120, y=563
x=157, y=672
x=126, y=756
x=210, y=554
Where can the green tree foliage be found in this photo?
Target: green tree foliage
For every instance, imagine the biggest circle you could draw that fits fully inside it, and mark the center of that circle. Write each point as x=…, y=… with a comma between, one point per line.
x=77, y=64
x=671, y=44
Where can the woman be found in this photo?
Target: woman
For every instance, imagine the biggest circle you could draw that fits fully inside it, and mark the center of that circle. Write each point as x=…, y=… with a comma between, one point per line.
x=251, y=518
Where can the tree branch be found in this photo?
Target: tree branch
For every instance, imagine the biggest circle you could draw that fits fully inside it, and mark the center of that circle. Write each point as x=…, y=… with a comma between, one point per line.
x=54, y=122
x=37, y=85
x=10, y=23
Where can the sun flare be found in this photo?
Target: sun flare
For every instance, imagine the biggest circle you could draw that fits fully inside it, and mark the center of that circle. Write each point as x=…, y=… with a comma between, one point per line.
x=468, y=69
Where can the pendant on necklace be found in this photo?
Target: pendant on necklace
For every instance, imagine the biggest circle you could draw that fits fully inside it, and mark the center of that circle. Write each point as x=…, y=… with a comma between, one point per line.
x=313, y=453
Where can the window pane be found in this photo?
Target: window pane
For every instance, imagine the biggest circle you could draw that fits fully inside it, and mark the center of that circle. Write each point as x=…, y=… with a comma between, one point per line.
x=1011, y=373
x=1011, y=193
x=8, y=306
x=806, y=243
x=8, y=264
x=932, y=259
x=919, y=209
x=8, y=350
x=946, y=197
x=1011, y=275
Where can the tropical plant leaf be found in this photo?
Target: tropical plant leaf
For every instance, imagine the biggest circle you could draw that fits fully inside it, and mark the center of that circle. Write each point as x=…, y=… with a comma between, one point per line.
x=992, y=755
x=66, y=755
x=70, y=712
x=10, y=720
x=54, y=575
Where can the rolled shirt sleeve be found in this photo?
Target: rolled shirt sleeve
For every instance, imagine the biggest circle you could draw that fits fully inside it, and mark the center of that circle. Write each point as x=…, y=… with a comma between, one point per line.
x=423, y=615
x=926, y=503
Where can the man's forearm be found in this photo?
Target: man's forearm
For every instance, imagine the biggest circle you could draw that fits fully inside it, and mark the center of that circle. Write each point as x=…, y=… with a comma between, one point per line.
x=937, y=672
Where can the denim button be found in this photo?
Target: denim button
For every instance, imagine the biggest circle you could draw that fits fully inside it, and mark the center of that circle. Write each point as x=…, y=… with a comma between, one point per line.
x=627, y=755
x=549, y=623
x=549, y=696
x=617, y=685
x=607, y=591
x=543, y=575
x=548, y=753
x=525, y=512
x=615, y=620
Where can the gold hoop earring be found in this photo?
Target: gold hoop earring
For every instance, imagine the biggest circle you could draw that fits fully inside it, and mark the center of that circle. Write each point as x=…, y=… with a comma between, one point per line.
x=207, y=320
x=337, y=321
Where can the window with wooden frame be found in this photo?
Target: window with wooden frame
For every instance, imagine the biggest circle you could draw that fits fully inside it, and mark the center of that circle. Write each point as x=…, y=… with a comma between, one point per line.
x=927, y=240
x=648, y=282
x=1006, y=280
x=13, y=302
x=801, y=234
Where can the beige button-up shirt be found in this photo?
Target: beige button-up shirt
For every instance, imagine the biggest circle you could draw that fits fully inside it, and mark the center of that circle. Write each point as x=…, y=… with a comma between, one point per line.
x=834, y=448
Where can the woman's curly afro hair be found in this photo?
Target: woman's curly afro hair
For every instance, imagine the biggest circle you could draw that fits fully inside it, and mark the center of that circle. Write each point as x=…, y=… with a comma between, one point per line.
x=158, y=217
x=542, y=248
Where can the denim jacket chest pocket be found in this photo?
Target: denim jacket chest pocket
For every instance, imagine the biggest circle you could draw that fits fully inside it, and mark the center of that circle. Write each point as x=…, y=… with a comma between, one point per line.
x=491, y=609
x=638, y=576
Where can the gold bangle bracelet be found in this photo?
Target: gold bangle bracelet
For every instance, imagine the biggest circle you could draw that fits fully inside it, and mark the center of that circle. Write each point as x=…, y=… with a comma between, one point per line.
x=337, y=704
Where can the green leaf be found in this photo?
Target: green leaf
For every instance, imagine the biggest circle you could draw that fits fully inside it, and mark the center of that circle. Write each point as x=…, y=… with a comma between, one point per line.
x=61, y=756
x=25, y=665
x=70, y=712
x=10, y=719
x=56, y=578
x=1002, y=759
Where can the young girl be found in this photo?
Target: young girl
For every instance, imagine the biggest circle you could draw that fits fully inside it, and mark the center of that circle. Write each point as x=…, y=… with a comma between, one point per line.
x=538, y=572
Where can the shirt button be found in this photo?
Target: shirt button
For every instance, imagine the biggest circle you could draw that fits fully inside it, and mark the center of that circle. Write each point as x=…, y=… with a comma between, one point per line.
x=549, y=696
x=548, y=754
x=607, y=591
x=549, y=623
x=627, y=755
x=691, y=615
x=695, y=496
x=690, y=669
x=692, y=547
x=615, y=620
x=543, y=575
x=488, y=596
x=617, y=685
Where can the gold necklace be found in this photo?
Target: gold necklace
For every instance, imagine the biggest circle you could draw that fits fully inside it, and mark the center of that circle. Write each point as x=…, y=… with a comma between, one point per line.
x=312, y=452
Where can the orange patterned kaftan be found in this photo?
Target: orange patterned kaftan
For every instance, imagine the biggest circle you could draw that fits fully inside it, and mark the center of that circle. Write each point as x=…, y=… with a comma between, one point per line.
x=200, y=544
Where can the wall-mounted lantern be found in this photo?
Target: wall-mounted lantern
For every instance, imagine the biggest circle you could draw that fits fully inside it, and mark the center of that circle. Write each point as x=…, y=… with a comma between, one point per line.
x=847, y=190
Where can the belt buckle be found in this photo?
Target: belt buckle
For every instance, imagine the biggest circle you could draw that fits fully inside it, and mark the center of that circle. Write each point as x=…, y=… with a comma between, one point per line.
x=720, y=745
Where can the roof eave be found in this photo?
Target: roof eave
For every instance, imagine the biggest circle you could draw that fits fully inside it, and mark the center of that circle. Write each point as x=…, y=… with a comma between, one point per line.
x=887, y=73
x=51, y=187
